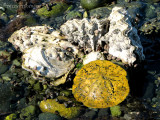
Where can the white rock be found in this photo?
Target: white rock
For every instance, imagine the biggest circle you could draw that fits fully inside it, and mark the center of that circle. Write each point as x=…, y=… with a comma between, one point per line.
x=124, y=42
x=92, y=57
x=85, y=32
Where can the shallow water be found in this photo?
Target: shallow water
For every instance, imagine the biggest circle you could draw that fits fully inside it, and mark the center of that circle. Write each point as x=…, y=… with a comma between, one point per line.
x=19, y=90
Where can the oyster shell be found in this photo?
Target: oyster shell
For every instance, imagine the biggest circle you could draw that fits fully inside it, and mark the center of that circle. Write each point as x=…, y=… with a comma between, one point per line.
x=45, y=52
x=29, y=36
x=51, y=60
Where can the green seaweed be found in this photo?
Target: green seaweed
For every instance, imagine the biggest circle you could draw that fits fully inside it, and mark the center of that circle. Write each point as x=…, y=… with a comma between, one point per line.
x=57, y=10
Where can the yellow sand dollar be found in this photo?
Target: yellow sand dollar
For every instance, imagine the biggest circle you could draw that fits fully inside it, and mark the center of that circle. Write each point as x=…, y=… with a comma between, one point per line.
x=100, y=84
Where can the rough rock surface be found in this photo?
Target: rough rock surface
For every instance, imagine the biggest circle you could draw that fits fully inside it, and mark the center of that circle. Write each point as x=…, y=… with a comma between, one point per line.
x=117, y=30
x=85, y=32
x=124, y=42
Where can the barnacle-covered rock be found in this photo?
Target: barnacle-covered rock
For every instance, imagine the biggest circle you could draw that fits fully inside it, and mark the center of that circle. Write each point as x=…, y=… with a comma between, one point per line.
x=117, y=30
x=29, y=36
x=100, y=84
x=85, y=32
x=51, y=60
x=124, y=42
x=53, y=106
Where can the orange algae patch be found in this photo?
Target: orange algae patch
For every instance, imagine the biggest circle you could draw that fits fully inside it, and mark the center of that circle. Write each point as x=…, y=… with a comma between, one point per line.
x=100, y=84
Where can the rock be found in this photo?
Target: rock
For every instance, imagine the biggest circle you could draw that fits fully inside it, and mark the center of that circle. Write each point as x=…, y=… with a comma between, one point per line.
x=127, y=117
x=6, y=96
x=92, y=57
x=52, y=106
x=123, y=39
x=151, y=27
x=30, y=20
x=5, y=61
x=90, y=115
x=100, y=84
x=73, y=15
x=150, y=11
x=6, y=77
x=4, y=17
x=37, y=87
x=14, y=25
x=91, y=4
x=16, y=62
x=12, y=116
x=90, y=33
x=152, y=1
x=101, y=12
x=49, y=116
x=115, y=111
x=85, y=32
x=66, y=93
x=103, y=113
x=28, y=112
x=56, y=10
x=9, y=6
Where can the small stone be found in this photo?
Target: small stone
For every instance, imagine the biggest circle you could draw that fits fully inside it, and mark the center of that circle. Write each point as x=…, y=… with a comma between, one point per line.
x=90, y=115
x=127, y=117
x=49, y=116
x=6, y=78
x=27, y=112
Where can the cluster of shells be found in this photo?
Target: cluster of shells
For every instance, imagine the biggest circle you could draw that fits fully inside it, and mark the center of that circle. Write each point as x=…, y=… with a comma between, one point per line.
x=51, y=53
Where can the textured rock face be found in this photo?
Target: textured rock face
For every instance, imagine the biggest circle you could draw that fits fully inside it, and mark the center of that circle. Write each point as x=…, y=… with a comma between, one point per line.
x=124, y=42
x=85, y=32
x=117, y=30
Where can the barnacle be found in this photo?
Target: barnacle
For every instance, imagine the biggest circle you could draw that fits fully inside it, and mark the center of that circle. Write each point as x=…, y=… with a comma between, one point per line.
x=100, y=84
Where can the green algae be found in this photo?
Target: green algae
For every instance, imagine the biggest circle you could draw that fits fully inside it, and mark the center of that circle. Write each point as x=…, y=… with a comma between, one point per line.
x=57, y=10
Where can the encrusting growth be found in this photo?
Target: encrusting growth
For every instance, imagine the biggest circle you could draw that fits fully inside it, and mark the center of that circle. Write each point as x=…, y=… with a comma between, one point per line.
x=100, y=84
